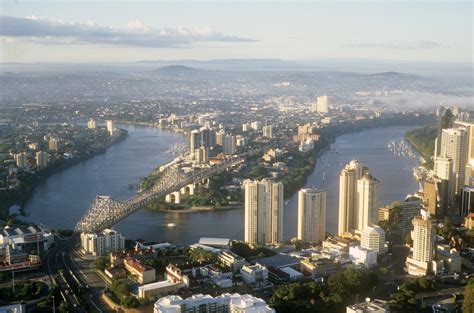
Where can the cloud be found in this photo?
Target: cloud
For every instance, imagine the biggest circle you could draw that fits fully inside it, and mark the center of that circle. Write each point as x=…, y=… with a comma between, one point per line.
x=416, y=45
x=136, y=34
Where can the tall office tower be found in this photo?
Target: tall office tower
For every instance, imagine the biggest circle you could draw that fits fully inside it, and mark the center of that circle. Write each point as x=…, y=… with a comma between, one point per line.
x=206, y=139
x=368, y=201
x=435, y=195
x=311, y=215
x=228, y=146
x=41, y=159
x=263, y=212
x=246, y=127
x=220, y=137
x=110, y=127
x=423, y=235
x=467, y=201
x=194, y=140
x=268, y=131
x=91, y=124
x=469, y=179
x=373, y=238
x=410, y=208
x=454, y=145
x=469, y=170
x=201, y=155
x=53, y=144
x=21, y=159
x=350, y=174
x=444, y=169
x=322, y=104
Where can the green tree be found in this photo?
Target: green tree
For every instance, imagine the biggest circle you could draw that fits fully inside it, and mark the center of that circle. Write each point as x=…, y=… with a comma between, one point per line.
x=101, y=263
x=130, y=302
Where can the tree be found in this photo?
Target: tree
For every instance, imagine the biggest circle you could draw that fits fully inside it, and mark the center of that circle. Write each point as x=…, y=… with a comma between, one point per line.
x=447, y=119
x=130, y=302
x=101, y=263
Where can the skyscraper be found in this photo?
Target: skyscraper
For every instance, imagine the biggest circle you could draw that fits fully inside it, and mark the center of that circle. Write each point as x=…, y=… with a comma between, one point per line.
x=21, y=159
x=454, y=145
x=53, y=144
x=368, y=201
x=194, y=140
x=423, y=235
x=350, y=174
x=41, y=159
x=311, y=215
x=268, y=131
x=110, y=127
x=263, y=212
x=444, y=169
x=322, y=104
x=228, y=145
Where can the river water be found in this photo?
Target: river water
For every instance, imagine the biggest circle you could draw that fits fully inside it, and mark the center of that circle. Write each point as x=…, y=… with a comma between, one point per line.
x=64, y=197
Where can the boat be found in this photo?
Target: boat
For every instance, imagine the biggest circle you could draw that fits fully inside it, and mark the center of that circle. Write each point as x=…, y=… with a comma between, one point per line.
x=170, y=225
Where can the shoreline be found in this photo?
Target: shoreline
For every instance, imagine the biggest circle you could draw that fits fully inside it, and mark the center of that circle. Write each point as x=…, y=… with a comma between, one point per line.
x=326, y=146
x=25, y=195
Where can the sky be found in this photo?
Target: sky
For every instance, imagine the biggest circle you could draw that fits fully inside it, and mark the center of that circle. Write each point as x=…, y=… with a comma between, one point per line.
x=125, y=31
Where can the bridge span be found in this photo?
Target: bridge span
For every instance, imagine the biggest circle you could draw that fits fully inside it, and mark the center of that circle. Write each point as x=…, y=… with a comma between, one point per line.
x=105, y=212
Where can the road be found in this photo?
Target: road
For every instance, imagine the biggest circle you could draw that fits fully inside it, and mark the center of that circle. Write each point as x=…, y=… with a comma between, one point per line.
x=65, y=274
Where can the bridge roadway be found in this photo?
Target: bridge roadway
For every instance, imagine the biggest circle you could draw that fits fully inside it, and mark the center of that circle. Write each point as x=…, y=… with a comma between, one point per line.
x=106, y=212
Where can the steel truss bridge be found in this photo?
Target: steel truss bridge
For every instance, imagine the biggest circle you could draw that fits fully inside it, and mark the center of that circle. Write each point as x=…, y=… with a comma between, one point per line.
x=105, y=212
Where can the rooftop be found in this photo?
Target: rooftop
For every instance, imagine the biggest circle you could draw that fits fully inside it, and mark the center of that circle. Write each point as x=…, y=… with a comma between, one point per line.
x=279, y=261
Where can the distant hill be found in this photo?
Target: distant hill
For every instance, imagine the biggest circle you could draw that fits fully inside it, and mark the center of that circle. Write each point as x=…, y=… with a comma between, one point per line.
x=177, y=69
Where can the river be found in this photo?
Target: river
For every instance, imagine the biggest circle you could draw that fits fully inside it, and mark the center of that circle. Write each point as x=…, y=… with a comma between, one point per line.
x=64, y=197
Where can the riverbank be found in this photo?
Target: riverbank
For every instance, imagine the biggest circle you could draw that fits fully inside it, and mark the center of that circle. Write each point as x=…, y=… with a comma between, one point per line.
x=423, y=141
x=20, y=196
x=297, y=176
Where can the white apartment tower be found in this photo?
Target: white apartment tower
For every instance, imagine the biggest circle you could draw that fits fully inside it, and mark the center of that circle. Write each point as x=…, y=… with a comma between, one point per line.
x=454, y=145
x=263, y=212
x=368, y=201
x=322, y=104
x=102, y=243
x=423, y=235
x=110, y=127
x=311, y=215
x=350, y=174
x=444, y=169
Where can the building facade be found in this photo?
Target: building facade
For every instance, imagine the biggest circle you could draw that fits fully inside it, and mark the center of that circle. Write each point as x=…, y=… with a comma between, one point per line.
x=263, y=212
x=99, y=244
x=311, y=215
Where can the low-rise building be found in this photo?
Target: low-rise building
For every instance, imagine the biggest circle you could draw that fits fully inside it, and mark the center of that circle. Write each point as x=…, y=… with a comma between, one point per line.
x=254, y=273
x=369, y=306
x=225, y=303
x=363, y=256
x=143, y=274
x=450, y=257
x=231, y=260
